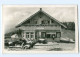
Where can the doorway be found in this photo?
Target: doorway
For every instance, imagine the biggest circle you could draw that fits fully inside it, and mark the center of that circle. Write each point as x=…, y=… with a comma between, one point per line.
x=43, y=34
x=40, y=34
x=58, y=34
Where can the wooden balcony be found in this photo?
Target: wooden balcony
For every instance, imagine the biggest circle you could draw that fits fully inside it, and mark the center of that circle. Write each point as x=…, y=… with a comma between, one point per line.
x=40, y=25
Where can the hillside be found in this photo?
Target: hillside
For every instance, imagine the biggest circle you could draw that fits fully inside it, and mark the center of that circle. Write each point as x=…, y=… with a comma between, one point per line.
x=68, y=34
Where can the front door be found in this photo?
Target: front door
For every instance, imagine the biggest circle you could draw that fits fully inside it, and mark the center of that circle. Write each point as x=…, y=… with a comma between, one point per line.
x=58, y=34
x=43, y=34
x=40, y=34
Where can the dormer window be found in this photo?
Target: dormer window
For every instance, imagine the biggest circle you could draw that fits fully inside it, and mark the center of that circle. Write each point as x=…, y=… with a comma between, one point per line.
x=45, y=22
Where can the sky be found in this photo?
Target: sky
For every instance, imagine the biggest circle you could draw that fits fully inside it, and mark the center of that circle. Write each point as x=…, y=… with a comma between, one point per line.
x=15, y=14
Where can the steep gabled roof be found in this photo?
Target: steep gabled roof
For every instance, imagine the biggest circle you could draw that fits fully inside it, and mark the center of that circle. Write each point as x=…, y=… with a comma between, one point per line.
x=45, y=14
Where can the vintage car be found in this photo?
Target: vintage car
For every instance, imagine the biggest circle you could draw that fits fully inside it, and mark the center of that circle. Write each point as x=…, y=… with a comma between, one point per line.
x=21, y=43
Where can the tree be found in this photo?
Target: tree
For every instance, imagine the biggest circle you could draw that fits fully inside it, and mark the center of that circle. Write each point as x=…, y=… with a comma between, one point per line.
x=70, y=25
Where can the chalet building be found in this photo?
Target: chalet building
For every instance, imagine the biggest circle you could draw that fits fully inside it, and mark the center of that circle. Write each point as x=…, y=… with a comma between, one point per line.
x=41, y=25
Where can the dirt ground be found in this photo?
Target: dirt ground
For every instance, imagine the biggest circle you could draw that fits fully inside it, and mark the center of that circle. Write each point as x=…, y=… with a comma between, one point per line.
x=47, y=47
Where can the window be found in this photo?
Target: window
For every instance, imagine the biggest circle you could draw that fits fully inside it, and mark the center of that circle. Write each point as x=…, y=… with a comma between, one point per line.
x=27, y=35
x=31, y=32
x=52, y=21
x=43, y=34
x=27, y=32
x=32, y=35
x=58, y=34
x=35, y=22
x=48, y=35
x=45, y=22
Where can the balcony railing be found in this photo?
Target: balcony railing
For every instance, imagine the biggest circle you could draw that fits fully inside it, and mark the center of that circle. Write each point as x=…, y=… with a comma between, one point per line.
x=40, y=25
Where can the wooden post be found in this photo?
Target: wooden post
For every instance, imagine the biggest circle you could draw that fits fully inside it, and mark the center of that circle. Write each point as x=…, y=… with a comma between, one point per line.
x=34, y=34
x=25, y=35
x=30, y=36
x=50, y=21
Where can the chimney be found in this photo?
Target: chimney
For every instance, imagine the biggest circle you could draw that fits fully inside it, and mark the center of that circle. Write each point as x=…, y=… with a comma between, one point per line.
x=40, y=9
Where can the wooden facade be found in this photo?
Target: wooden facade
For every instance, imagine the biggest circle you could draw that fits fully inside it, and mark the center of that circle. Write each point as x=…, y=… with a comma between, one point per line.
x=40, y=25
